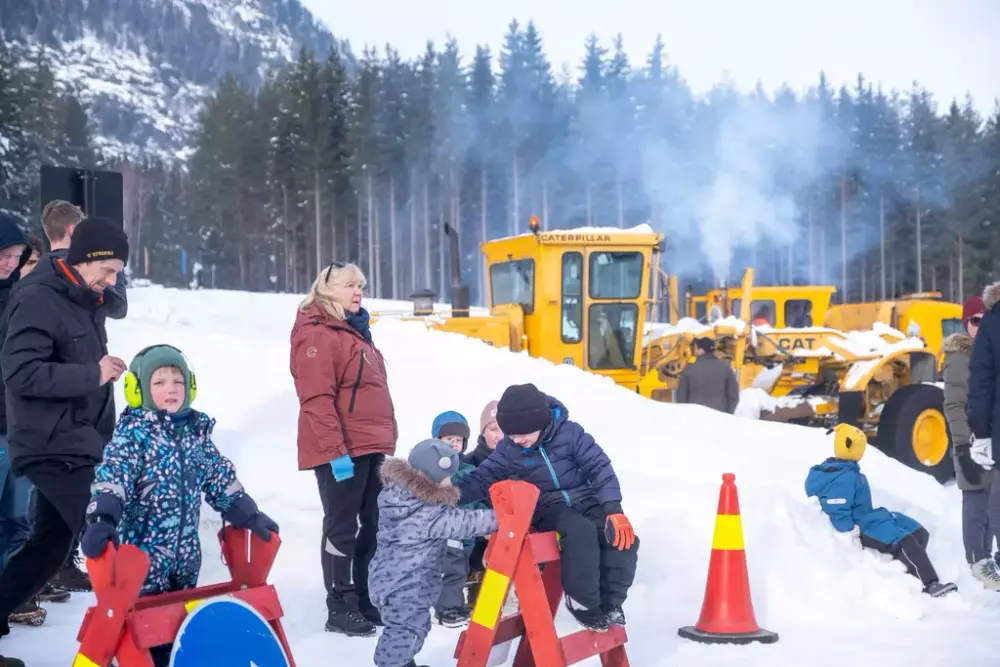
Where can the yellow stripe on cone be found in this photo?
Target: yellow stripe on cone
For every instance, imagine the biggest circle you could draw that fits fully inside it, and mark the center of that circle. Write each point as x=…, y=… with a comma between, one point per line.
x=728, y=533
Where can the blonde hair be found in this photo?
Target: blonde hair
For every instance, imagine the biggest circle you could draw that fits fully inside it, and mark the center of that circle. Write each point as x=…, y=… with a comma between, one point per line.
x=57, y=217
x=336, y=275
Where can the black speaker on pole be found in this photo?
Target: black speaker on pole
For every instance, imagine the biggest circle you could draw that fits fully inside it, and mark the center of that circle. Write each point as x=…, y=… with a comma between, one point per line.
x=100, y=194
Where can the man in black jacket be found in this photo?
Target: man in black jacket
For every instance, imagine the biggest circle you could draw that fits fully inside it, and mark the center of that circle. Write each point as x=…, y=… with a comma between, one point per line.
x=58, y=377
x=59, y=220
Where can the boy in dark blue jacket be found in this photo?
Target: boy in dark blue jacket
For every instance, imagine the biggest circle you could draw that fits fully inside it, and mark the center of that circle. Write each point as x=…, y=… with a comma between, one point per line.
x=846, y=498
x=580, y=499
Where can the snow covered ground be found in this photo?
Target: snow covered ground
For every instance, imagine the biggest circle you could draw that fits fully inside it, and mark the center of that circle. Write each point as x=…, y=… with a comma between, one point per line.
x=831, y=604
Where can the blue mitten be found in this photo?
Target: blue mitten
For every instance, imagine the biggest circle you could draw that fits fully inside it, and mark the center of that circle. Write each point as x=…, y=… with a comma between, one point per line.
x=243, y=513
x=343, y=468
x=103, y=515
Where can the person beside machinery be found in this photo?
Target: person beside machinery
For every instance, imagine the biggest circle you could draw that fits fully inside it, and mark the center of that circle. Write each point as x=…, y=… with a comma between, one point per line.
x=709, y=381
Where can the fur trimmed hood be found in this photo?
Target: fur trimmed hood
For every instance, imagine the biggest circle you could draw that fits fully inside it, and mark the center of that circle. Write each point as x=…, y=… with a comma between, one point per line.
x=400, y=473
x=991, y=295
x=957, y=342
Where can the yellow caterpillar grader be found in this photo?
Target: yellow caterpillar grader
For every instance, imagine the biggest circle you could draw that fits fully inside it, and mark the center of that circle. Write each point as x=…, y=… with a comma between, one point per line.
x=589, y=298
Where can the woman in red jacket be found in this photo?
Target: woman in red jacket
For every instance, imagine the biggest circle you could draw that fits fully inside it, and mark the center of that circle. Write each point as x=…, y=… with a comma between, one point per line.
x=347, y=426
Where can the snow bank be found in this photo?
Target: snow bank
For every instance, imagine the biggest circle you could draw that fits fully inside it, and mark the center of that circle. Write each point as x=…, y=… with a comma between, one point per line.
x=809, y=583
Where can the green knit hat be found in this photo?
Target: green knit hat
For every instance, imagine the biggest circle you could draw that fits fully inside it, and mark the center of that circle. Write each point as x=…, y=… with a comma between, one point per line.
x=158, y=356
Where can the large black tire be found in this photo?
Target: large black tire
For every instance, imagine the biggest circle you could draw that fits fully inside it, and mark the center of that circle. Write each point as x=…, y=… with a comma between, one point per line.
x=896, y=429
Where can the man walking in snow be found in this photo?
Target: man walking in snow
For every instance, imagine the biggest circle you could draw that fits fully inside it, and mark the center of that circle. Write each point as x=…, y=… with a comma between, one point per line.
x=58, y=377
x=59, y=219
x=983, y=406
x=709, y=381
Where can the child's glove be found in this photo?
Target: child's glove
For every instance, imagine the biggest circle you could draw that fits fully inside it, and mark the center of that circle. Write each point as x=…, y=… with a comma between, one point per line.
x=103, y=515
x=343, y=468
x=972, y=471
x=856, y=536
x=981, y=451
x=243, y=513
x=618, y=531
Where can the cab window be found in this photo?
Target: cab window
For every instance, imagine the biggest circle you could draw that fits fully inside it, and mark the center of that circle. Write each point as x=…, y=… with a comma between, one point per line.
x=612, y=329
x=798, y=313
x=951, y=326
x=513, y=283
x=761, y=311
x=615, y=275
x=572, y=297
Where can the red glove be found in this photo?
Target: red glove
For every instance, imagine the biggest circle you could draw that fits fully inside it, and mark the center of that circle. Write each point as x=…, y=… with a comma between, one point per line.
x=618, y=531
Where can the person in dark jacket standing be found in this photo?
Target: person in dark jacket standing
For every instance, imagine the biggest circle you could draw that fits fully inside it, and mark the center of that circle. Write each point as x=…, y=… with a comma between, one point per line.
x=58, y=377
x=580, y=499
x=59, y=220
x=15, y=491
x=709, y=381
x=973, y=480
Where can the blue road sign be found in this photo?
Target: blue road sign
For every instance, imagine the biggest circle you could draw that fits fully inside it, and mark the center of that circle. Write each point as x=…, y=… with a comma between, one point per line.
x=226, y=632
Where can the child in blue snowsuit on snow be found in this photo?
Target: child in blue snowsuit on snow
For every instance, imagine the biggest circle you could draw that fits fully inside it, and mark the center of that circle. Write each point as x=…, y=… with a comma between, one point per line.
x=846, y=497
x=451, y=610
x=161, y=459
x=418, y=516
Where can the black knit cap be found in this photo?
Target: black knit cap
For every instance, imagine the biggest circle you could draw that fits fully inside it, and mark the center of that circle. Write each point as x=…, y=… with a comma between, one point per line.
x=706, y=345
x=95, y=239
x=523, y=409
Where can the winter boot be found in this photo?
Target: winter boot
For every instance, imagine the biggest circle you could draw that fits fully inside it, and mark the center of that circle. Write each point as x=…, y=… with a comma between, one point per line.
x=615, y=614
x=371, y=613
x=456, y=617
x=28, y=613
x=50, y=594
x=988, y=573
x=71, y=578
x=472, y=584
x=592, y=619
x=10, y=662
x=351, y=623
x=936, y=589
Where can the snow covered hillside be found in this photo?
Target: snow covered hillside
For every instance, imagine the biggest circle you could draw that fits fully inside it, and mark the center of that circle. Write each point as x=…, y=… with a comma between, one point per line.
x=831, y=604
x=143, y=67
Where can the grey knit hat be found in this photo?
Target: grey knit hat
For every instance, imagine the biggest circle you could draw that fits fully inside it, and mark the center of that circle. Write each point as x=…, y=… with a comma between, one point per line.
x=435, y=458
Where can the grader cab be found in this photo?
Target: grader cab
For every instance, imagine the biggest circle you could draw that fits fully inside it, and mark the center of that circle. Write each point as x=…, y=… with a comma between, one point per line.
x=589, y=298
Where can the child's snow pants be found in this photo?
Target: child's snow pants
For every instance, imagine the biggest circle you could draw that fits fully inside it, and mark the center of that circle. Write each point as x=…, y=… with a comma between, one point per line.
x=911, y=551
x=454, y=572
x=594, y=572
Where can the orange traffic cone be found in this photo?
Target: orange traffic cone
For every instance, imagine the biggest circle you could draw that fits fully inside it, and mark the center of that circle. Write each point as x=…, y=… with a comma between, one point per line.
x=727, y=613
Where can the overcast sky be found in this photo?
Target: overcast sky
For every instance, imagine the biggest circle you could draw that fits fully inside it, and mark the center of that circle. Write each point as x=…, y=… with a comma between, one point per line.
x=950, y=46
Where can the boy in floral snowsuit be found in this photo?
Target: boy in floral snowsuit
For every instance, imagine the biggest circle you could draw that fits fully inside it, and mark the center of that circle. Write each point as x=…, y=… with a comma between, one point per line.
x=160, y=461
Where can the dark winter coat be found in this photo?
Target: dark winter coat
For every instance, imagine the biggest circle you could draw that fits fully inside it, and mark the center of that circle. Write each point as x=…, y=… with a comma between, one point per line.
x=709, y=381
x=984, y=372
x=957, y=355
x=159, y=466
x=115, y=302
x=479, y=454
x=10, y=235
x=344, y=402
x=416, y=519
x=57, y=409
x=846, y=498
x=566, y=465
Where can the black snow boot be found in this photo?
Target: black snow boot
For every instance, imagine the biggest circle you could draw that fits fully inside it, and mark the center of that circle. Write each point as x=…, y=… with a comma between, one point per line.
x=351, y=623
x=592, y=619
x=371, y=613
x=615, y=614
x=71, y=577
x=28, y=613
x=52, y=594
x=936, y=589
x=455, y=617
x=10, y=662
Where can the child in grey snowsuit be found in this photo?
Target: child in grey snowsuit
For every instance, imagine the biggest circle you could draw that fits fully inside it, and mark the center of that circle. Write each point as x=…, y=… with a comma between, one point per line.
x=417, y=517
x=451, y=610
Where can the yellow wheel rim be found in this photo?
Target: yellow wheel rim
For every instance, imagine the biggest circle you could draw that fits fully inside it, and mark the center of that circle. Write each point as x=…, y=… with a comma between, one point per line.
x=930, y=437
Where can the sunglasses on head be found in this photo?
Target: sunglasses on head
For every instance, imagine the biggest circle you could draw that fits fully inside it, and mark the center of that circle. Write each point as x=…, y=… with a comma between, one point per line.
x=333, y=265
x=976, y=321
